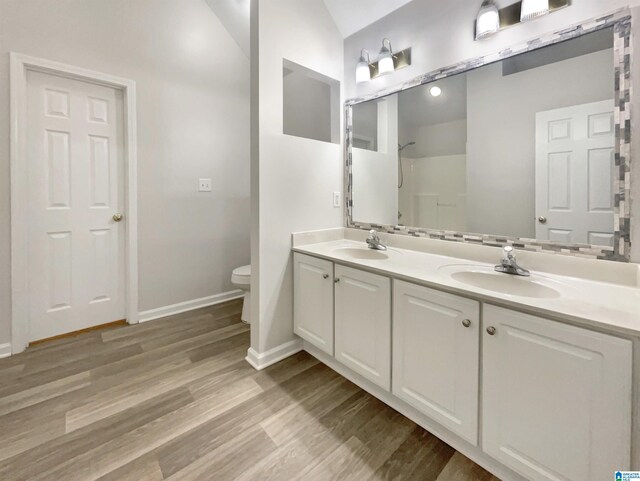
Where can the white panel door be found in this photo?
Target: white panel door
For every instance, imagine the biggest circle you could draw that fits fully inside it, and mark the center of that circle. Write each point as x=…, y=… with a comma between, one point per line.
x=363, y=323
x=75, y=170
x=313, y=301
x=556, y=398
x=574, y=174
x=436, y=345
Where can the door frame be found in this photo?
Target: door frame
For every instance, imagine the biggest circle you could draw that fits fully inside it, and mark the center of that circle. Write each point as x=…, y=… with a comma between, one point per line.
x=19, y=66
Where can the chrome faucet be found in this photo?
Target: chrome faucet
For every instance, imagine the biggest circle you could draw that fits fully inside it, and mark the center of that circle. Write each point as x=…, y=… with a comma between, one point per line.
x=373, y=241
x=508, y=265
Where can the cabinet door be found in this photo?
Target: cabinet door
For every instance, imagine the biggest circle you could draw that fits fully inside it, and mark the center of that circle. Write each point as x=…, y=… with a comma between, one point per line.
x=313, y=301
x=436, y=342
x=363, y=324
x=556, y=398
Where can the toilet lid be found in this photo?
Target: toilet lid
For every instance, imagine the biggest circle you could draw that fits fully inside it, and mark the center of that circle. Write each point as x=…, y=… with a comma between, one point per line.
x=244, y=271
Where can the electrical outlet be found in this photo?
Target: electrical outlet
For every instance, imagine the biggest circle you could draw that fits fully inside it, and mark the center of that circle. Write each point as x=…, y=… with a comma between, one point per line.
x=336, y=199
x=204, y=185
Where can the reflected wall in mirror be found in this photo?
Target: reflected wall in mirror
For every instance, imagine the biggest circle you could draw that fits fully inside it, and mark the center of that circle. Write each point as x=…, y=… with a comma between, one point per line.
x=521, y=148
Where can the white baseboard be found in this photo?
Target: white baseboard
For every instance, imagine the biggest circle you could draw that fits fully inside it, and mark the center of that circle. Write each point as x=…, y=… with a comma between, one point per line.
x=265, y=359
x=5, y=350
x=165, y=311
x=474, y=453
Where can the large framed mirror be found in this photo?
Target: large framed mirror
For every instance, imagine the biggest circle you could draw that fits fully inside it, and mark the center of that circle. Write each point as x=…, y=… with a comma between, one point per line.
x=530, y=147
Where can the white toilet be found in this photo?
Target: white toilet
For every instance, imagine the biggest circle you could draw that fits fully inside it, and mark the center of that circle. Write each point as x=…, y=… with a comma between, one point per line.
x=241, y=278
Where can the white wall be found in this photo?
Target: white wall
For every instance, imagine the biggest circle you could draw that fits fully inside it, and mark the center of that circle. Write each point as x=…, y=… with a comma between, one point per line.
x=434, y=192
x=292, y=178
x=193, y=121
x=441, y=34
x=375, y=173
x=501, y=134
x=435, y=140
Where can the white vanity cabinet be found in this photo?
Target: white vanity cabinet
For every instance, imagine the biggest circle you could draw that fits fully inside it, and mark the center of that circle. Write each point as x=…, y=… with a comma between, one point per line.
x=527, y=397
x=556, y=398
x=313, y=301
x=436, y=341
x=363, y=323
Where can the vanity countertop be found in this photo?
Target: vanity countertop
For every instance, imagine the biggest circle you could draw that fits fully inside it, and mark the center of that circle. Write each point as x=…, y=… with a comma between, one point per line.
x=604, y=305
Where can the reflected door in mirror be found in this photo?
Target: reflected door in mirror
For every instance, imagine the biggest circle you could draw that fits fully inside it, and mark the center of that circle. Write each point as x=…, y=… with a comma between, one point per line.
x=574, y=174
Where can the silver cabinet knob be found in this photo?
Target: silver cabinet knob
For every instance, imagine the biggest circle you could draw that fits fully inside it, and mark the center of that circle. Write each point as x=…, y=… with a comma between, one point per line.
x=117, y=217
x=542, y=219
x=325, y=276
x=491, y=330
x=466, y=323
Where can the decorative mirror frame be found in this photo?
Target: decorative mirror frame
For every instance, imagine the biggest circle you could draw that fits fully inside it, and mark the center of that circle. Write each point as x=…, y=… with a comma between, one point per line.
x=621, y=23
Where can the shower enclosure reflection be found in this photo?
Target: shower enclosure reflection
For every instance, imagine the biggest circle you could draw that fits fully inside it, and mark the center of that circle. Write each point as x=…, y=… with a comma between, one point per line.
x=401, y=170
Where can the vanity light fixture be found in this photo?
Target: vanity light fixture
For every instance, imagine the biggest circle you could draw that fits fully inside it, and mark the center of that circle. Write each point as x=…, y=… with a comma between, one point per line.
x=387, y=62
x=532, y=9
x=488, y=20
x=363, y=74
x=435, y=91
x=385, y=59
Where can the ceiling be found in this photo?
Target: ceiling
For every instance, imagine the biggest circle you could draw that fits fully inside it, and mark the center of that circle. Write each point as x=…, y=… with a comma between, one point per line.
x=234, y=15
x=353, y=15
x=350, y=16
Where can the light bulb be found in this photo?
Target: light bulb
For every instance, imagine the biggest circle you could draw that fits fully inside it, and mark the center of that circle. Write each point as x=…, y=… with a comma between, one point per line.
x=385, y=59
x=532, y=9
x=488, y=20
x=385, y=65
x=435, y=91
x=363, y=74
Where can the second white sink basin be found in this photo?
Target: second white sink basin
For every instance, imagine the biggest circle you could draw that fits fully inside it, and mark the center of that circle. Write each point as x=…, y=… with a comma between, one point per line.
x=486, y=278
x=362, y=253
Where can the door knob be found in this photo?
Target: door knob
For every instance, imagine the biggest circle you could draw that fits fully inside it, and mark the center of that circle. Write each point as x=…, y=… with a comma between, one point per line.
x=491, y=330
x=117, y=217
x=542, y=219
x=466, y=323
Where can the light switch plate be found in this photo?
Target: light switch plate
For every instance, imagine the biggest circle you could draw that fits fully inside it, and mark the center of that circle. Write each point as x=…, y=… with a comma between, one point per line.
x=336, y=199
x=204, y=185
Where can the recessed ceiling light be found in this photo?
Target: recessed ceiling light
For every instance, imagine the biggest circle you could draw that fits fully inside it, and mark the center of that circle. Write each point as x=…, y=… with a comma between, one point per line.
x=435, y=91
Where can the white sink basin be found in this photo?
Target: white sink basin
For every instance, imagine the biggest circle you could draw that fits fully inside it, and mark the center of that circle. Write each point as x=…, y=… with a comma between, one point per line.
x=361, y=253
x=488, y=279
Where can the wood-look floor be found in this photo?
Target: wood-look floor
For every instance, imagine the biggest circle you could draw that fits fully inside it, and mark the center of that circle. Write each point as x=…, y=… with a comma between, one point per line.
x=174, y=400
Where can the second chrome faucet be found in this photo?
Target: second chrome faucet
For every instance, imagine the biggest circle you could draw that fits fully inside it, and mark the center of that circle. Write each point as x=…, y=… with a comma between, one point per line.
x=508, y=265
x=373, y=241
